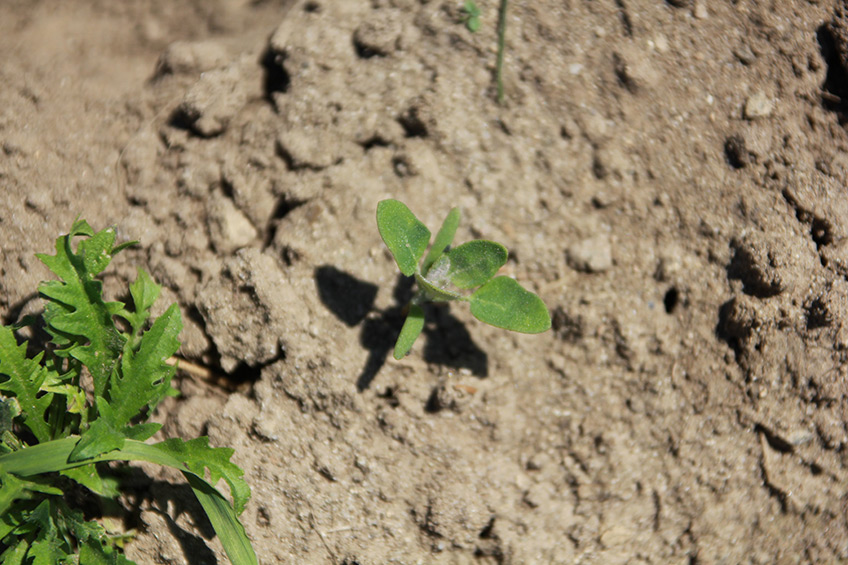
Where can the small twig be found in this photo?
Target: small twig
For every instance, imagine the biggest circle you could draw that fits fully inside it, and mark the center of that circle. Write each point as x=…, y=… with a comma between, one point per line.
x=200, y=372
x=501, y=48
x=194, y=369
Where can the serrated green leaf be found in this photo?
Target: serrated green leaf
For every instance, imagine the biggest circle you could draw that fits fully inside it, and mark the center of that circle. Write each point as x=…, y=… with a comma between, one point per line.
x=475, y=262
x=144, y=293
x=198, y=456
x=89, y=477
x=141, y=432
x=47, y=549
x=443, y=240
x=24, y=378
x=192, y=458
x=104, y=435
x=96, y=251
x=16, y=554
x=13, y=489
x=404, y=235
x=410, y=331
x=145, y=378
x=76, y=316
x=93, y=552
x=503, y=303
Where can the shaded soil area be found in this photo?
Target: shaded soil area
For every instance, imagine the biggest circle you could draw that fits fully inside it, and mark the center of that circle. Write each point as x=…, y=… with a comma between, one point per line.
x=670, y=177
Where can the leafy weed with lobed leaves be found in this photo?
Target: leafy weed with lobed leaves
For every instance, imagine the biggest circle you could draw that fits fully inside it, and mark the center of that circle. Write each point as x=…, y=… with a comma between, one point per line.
x=57, y=433
x=445, y=272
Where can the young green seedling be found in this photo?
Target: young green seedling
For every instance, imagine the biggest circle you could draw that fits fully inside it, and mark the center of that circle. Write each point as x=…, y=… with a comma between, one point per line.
x=447, y=271
x=471, y=16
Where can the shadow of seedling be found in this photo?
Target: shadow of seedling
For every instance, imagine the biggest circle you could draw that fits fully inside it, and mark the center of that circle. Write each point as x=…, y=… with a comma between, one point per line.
x=352, y=301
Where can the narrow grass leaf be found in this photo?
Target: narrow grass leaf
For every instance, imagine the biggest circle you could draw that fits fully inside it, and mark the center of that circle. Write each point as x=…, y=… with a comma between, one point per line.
x=224, y=521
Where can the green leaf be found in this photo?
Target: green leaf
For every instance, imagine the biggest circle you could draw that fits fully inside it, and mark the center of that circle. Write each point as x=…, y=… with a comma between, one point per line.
x=93, y=552
x=14, y=489
x=192, y=458
x=198, y=456
x=89, y=477
x=404, y=235
x=144, y=378
x=475, y=262
x=15, y=555
x=102, y=436
x=144, y=293
x=76, y=316
x=471, y=8
x=434, y=293
x=24, y=378
x=503, y=303
x=410, y=331
x=443, y=240
x=224, y=521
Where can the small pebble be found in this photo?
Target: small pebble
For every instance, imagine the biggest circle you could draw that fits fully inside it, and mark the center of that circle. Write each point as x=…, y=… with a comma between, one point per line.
x=758, y=106
x=593, y=255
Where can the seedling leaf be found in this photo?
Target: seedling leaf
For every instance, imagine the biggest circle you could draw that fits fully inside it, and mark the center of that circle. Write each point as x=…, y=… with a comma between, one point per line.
x=404, y=235
x=76, y=315
x=475, y=262
x=410, y=331
x=503, y=303
x=434, y=293
x=443, y=240
x=23, y=378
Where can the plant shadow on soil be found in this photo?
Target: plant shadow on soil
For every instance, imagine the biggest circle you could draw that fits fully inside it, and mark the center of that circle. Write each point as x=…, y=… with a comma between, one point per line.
x=165, y=499
x=352, y=300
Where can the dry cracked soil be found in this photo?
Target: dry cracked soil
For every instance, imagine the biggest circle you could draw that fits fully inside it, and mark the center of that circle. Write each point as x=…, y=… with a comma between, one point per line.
x=669, y=176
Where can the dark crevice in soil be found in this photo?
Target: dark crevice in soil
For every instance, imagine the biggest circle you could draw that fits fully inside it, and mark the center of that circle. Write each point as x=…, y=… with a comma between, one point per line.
x=671, y=300
x=412, y=124
x=281, y=210
x=776, y=442
x=835, y=86
x=275, y=79
x=727, y=331
x=818, y=315
x=735, y=152
x=626, y=22
x=821, y=229
x=374, y=141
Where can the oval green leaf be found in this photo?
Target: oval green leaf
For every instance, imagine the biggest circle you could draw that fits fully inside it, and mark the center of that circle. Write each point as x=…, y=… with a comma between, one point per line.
x=475, y=262
x=443, y=239
x=503, y=303
x=404, y=235
x=410, y=331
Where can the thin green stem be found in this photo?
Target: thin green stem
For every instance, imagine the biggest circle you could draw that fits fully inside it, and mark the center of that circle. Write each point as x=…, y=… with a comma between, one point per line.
x=501, y=48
